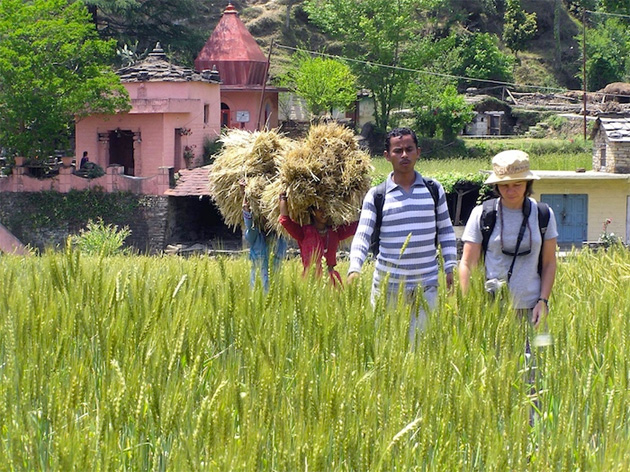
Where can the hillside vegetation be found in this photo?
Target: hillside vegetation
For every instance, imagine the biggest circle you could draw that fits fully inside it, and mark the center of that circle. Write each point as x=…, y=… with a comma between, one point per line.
x=550, y=59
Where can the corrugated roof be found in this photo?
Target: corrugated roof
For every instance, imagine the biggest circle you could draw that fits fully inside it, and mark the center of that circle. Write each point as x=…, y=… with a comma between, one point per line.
x=156, y=68
x=234, y=52
x=191, y=183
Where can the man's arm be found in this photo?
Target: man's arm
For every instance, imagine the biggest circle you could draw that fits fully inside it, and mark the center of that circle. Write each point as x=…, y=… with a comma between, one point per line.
x=362, y=237
x=446, y=236
x=470, y=260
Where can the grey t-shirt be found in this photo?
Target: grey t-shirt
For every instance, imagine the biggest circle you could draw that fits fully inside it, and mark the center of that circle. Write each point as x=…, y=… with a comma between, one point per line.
x=525, y=282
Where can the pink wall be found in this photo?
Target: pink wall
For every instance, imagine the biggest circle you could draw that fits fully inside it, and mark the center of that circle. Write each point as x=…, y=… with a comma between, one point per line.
x=113, y=181
x=249, y=101
x=159, y=108
x=9, y=243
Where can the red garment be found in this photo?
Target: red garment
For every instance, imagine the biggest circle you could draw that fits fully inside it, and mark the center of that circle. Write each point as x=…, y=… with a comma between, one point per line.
x=312, y=244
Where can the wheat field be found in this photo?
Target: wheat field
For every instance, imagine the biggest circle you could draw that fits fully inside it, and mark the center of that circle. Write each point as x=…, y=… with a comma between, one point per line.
x=159, y=363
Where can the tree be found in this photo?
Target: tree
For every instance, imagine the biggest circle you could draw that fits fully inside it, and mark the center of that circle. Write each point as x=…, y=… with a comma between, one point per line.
x=376, y=32
x=481, y=58
x=52, y=68
x=323, y=83
x=172, y=23
x=621, y=7
x=437, y=106
x=607, y=53
x=518, y=26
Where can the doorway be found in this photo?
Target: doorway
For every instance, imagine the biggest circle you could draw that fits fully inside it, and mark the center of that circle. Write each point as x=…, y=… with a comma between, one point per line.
x=121, y=150
x=571, y=212
x=225, y=116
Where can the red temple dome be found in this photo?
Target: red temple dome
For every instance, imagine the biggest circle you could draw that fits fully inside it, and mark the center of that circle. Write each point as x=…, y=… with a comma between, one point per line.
x=234, y=52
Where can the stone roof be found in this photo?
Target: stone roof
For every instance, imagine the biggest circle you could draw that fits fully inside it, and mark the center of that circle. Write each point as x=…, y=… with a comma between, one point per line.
x=617, y=128
x=191, y=183
x=156, y=68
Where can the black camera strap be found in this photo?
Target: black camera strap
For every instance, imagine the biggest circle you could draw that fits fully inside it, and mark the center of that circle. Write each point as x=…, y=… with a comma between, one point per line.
x=527, y=208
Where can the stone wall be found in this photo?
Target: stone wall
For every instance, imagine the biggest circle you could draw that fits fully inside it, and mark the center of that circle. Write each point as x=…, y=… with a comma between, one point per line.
x=619, y=152
x=610, y=156
x=147, y=219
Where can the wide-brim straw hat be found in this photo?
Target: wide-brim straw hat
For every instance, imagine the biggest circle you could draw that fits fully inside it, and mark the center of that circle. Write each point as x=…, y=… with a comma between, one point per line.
x=510, y=166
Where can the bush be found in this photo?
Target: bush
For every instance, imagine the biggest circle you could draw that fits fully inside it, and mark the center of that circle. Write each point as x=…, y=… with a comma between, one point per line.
x=211, y=147
x=101, y=239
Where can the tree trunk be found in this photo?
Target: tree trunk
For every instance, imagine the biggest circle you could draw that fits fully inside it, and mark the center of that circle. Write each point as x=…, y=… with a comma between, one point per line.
x=287, y=19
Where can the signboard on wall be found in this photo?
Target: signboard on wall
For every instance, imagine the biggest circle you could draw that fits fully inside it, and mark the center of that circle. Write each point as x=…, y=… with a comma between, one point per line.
x=242, y=116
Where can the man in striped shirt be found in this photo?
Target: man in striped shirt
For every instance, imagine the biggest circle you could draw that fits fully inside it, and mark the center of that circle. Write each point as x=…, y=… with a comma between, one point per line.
x=410, y=220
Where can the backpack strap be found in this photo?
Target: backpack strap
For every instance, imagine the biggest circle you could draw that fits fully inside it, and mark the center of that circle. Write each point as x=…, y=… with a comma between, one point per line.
x=379, y=201
x=543, y=222
x=433, y=190
x=435, y=194
x=487, y=222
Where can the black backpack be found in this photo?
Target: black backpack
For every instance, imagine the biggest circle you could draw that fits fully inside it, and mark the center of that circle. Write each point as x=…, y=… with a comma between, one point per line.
x=379, y=201
x=489, y=218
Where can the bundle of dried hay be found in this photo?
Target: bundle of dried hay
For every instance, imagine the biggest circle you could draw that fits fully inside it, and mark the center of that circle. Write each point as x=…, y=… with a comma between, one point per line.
x=327, y=170
x=250, y=157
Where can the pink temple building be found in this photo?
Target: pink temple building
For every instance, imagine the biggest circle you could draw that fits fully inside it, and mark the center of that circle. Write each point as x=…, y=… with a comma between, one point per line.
x=246, y=101
x=175, y=110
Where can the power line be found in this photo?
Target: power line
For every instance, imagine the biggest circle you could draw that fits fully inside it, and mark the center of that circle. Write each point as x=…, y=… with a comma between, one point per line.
x=618, y=15
x=420, y=71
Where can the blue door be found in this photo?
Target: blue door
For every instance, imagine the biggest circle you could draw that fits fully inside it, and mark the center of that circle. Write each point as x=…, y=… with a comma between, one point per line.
x=571, y=213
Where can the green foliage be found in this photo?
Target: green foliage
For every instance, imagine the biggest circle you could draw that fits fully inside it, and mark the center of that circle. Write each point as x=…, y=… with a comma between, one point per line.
x=94, y=170
x=377, y=32
x=620, y=7
x=443, y=110
x=481, y=58
x=211, y=147
x=607, y=53
x=456, y=163
x=101, y=239
x=323, y=83
x=518, y=26
x=141, y=24
x=73, y=209
x=53, y=67
x=138, y=363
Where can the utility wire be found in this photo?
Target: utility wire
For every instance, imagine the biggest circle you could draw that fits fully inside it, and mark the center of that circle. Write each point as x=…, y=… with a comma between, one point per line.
x=437, y=74
x=420, y=71
x=618, y=15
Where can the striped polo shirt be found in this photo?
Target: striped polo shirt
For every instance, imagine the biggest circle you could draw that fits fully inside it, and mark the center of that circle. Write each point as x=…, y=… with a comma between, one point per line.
x=407, y=249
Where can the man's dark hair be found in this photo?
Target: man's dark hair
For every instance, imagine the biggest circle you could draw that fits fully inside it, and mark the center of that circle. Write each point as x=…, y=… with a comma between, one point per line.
x=397, y=133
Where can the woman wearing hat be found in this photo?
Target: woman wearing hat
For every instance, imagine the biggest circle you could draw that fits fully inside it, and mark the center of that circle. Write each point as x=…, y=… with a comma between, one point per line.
x=517, y=252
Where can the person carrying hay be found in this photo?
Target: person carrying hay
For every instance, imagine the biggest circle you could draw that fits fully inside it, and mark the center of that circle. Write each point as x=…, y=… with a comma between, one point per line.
x=260, y=244
x=316, y=240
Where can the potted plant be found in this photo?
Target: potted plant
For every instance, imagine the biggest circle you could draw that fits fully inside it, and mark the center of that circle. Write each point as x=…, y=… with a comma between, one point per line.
x=189, y=156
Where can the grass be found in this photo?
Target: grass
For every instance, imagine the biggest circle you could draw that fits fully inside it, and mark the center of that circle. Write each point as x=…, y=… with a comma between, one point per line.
x=544, y=154
x=140, y=363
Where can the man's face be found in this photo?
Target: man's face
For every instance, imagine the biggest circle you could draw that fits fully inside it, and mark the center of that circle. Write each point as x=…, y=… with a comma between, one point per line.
x=403, y=153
